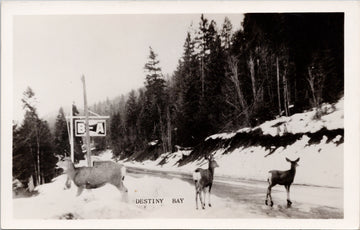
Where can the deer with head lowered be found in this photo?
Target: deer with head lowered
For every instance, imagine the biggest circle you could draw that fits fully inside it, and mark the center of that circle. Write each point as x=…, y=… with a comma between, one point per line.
x=282, y=178
x=94, y=177
x=204, y=178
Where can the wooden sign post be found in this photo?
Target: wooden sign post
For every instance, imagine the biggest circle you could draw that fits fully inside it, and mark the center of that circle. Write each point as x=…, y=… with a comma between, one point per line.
x=84, y=128
x=86, y=124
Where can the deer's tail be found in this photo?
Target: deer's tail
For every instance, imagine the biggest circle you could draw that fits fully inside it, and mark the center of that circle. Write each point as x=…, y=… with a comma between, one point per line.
x=269, y=179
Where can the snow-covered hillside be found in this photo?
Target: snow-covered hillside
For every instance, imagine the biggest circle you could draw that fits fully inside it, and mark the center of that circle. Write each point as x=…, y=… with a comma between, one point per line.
x=320, y=163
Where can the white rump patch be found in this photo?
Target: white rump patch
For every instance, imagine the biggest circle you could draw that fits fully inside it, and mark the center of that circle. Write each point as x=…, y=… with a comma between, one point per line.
x=269, y=178
x=123, y=171
x=196, y=175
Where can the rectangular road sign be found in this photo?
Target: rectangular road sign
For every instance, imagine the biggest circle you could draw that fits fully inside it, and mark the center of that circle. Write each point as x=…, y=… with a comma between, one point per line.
x=96, y=128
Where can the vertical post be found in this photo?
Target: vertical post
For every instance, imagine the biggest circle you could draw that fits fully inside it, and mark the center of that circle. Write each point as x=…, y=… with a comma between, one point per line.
x=87, y=124
x=71, y=135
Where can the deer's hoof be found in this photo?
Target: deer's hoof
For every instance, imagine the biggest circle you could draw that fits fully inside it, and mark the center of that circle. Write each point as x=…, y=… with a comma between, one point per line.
x=209, y=205
x=266, y=202
x=271, y=204
x=289, y=203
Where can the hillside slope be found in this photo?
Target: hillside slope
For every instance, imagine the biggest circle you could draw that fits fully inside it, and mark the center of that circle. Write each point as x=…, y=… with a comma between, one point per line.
x=251, y=153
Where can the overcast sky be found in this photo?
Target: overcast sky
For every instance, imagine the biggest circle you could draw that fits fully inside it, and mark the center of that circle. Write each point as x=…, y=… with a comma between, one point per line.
x=52, y=52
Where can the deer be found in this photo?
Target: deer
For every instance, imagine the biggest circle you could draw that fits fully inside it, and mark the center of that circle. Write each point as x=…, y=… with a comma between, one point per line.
x=204, y=178
x=285, y=178
x=107, y=172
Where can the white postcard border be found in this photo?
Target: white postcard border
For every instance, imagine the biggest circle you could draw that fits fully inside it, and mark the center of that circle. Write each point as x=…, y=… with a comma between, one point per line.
x=351, y=123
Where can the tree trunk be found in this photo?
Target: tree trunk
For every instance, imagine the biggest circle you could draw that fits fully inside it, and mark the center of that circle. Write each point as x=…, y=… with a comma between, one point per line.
x=278, y=84
x=162, y=131
x=235, y=80
x=38, y=158
x=252, y=74
x=285, y=94
x=295, y=92
x=169, y=138
x=202, y=78
x=42, y=177
x=35, y=165
x=310, y=79
x=30, y=185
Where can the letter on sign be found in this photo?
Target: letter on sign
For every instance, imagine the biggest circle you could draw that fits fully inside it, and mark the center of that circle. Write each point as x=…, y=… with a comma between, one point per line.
x=96, y=128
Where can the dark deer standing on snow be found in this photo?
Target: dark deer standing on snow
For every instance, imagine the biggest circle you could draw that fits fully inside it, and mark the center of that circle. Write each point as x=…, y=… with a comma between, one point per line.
x=282, y=178
x=96, y=176
x=204, y=178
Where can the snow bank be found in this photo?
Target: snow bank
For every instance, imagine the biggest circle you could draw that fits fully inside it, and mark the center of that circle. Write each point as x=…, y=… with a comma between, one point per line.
x=53, y=202
x=320, y=164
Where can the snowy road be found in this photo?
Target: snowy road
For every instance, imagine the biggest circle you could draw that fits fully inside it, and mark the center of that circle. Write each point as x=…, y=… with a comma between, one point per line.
x=165, y=195
x=245, y=199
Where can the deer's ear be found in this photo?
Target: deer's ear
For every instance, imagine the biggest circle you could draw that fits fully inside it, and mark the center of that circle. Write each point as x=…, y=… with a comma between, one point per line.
x=287, y=159
x=66, y=159
x=297, y=160
x=59, y=157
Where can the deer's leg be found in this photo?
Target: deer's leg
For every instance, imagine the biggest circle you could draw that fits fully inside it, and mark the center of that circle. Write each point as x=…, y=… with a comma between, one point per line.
x=268, y=191
x=121, y=187
x=268, y=194
x=204, y=192
x=288, y=195
x=79, y=191
x=123, y=190
x=209, y=194
x=196, y=195
x=67, y=183
x=201, y=200
x=196, y=198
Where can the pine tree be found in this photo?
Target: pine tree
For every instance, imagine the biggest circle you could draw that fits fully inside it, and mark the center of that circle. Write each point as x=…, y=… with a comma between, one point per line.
x=226, y=34
x=62, y=144
x=131, y=111
x=155, y=98
x=24, y=164
x=187, y=94
x=33, y=154
x=47, y=158
x=117, y=133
